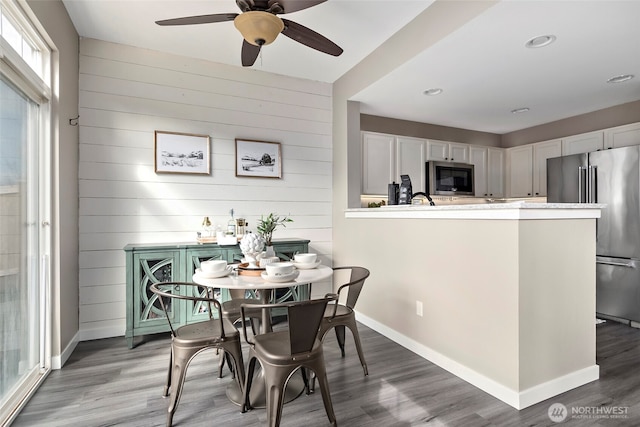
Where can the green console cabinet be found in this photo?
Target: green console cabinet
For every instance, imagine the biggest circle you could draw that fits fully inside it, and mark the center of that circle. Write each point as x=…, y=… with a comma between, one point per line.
x=161, y=262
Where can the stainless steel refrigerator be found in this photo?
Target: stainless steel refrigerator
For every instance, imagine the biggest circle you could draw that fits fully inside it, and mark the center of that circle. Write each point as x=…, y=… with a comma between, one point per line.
x=611, y=177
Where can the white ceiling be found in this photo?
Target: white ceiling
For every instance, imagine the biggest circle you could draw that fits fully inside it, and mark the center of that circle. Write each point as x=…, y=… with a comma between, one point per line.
x=483, y=68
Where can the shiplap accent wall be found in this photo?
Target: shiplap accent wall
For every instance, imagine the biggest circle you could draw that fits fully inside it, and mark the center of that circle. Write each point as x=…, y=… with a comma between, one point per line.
x=127, y=93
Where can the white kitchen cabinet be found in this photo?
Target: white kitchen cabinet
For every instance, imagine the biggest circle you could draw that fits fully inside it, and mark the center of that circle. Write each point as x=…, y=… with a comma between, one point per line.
x=622, y=136
x=541, y=152
x=495, y=172
x=378, y=162
x=410, y=160
x=520, y=171
x=583, y=143
x=527, y=168
x=488, y=170
x=447, y=151
x=478, y=157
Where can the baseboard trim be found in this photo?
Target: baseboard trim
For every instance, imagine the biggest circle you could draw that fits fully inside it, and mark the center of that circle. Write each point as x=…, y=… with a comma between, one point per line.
x=100, y=333
x=518, y=400
x=57, y=362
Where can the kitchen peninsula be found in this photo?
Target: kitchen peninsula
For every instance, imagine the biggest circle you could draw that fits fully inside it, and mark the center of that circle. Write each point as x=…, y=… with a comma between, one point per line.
x=502, y=295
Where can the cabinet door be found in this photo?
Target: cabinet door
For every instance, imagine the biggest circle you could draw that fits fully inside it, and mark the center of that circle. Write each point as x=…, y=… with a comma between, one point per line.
x=478, y=158
x=458, y=152
x=377, y=163
x=286, y=251
x=149, y=268
x=623, y=136
x=541, y=152
x=520, y=174
x=199, y=311
x=410, y=160
x=437, y=150
x=495, y=172
x=583, y=143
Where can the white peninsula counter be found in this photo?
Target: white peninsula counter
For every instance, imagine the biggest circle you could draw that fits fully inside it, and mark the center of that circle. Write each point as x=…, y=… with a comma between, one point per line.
x=502, y=295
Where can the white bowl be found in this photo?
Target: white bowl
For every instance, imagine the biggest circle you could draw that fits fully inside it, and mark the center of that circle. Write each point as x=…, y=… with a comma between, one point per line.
x=305, y=258
x=213, y=266
x=279, y=268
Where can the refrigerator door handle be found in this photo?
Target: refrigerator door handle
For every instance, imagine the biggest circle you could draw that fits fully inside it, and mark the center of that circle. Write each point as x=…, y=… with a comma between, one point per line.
x=617, y=264
x=582, y=172
x=591, y=184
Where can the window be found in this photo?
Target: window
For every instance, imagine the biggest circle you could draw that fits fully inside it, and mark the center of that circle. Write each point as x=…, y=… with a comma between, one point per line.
x=16, y=31
x=24, y=206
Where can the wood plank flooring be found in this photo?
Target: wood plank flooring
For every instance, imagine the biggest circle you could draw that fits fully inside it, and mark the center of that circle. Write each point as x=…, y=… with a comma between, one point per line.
x=105, y=384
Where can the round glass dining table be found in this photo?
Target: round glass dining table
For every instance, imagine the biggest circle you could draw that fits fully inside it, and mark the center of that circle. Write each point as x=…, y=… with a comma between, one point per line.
x=265, y=289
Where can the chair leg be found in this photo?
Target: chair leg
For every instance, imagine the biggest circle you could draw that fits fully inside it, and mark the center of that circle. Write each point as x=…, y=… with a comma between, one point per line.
x=167, y=386
x=236, y=363
x=181, y=360
x=246, y=405
x=321, y=373
x=356, y=337
x=221, y=364
x=275, y=384
x=340, y=337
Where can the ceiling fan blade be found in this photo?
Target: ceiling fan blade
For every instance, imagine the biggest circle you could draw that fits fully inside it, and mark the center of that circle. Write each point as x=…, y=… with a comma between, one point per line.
x=310, y=38
x=200, y=19
x=296, y=5
x=249, y=53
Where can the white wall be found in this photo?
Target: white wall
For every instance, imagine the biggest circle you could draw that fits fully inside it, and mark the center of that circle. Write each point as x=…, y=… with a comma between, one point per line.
x=126, y=94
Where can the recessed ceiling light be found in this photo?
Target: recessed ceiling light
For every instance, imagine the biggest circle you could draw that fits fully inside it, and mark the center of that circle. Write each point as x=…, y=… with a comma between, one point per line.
x=433, y=92
x=621, y=78
x=540, y=41
x=520, y=110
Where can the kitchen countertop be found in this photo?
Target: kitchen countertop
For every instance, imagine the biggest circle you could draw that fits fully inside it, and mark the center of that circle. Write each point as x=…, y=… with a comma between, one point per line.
x=512, y=210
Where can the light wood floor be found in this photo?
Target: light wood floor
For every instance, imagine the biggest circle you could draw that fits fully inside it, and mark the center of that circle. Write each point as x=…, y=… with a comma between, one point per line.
x=105, y=384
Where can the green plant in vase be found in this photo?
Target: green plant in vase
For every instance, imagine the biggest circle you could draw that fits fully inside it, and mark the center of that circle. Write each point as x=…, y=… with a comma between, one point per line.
x=266, y=227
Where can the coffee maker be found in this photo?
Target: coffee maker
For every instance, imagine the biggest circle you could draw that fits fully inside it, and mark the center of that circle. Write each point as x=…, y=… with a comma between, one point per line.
x=405, y=194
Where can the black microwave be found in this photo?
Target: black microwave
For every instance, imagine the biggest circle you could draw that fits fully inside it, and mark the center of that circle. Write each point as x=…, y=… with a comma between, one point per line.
x=449, y=179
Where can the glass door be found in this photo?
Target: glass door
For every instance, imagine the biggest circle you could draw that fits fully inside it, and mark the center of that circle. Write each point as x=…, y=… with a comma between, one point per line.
x=23, y=359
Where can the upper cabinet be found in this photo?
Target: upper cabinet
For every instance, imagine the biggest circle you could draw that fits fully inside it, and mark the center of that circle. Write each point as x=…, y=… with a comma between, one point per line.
x=488, y=170
x=520, y=171
x=495, y=173
x=378, y=168
x=583, y=143
x=410, y=160
x=527, y=168
x=622, y=136
x=447, y=151
x=541, y=152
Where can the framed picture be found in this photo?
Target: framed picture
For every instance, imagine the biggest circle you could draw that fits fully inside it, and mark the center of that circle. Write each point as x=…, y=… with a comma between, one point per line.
x=258, y=158
x=182, y=153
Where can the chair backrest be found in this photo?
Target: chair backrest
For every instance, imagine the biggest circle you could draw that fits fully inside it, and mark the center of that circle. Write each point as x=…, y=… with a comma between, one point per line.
x=303, y=319
x=304, y=323
x=355, y=284
x=166, y=291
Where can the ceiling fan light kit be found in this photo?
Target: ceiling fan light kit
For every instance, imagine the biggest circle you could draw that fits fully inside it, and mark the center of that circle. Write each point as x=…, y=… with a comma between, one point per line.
x=258, y=28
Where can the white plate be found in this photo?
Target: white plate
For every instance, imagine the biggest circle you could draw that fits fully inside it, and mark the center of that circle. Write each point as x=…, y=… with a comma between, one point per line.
x=214, y=275
x=306, y=265
x=278, y=279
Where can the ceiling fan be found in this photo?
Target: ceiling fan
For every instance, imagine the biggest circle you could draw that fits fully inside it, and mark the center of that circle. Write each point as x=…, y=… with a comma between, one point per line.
x=259, y=25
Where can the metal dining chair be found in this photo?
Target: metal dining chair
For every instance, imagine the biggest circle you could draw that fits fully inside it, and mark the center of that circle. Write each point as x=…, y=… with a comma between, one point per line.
x=189, y=340
x=340, y=315
x=282, y=352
